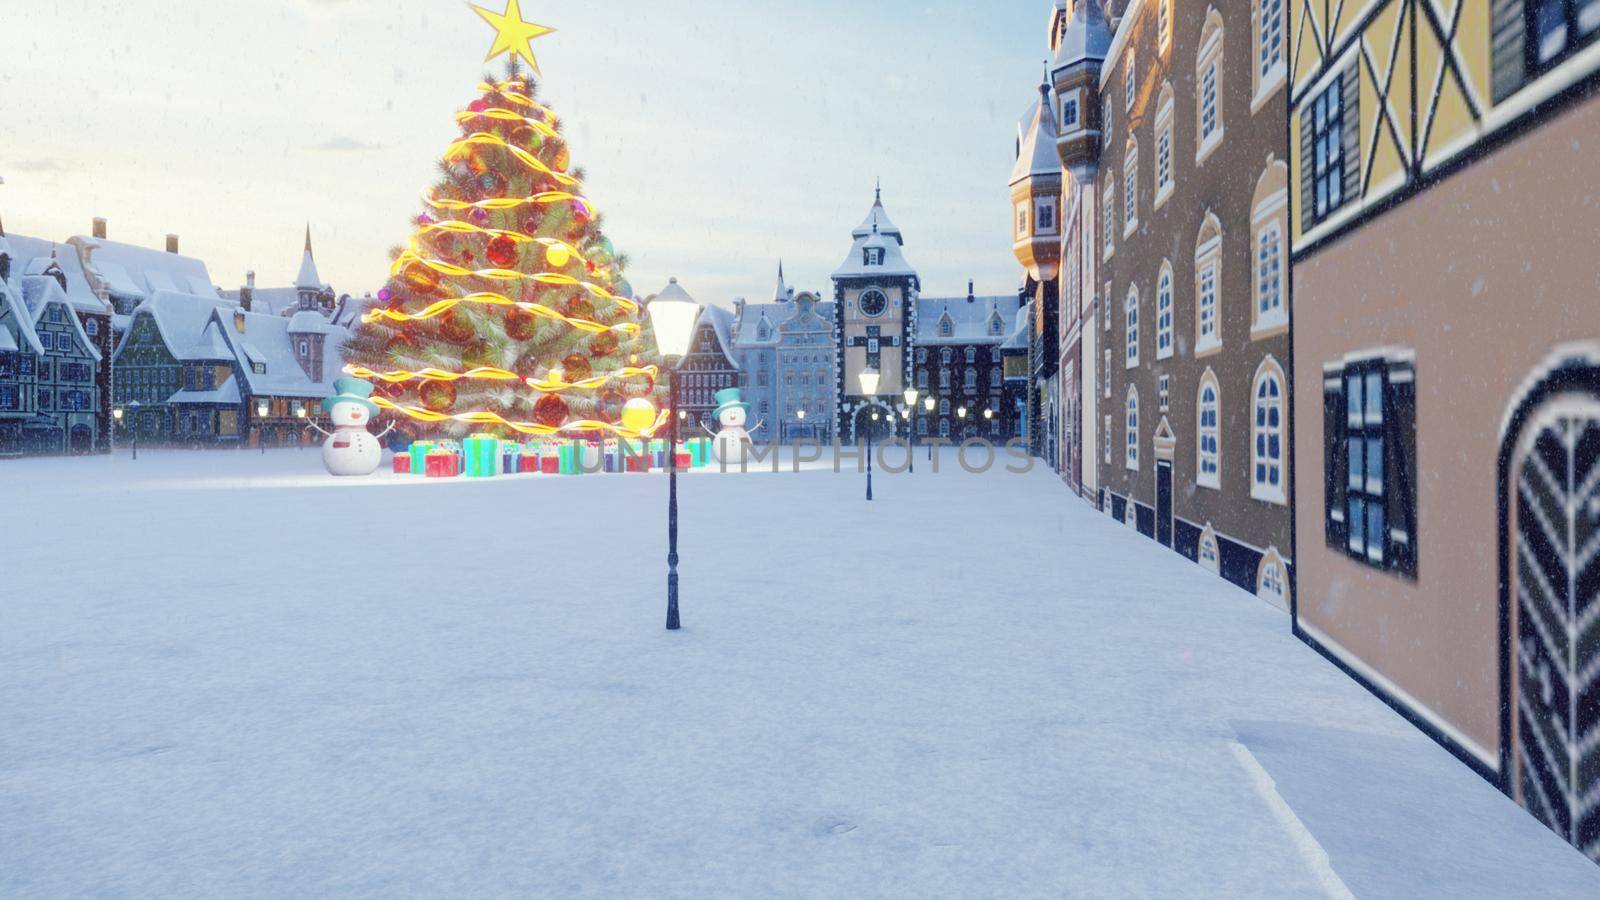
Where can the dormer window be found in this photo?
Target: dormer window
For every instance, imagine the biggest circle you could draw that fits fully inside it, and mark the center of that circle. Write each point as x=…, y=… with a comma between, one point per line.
x=996, y=324
x=946, y=327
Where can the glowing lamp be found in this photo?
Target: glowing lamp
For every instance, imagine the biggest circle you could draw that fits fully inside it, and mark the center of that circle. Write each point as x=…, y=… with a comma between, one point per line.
x=928, y=404
x=261, y=408
x=117, y=414
x=801, y=413
x=988, y=414
x=962, y=412
x=672, y=314
x=911, y=397
x=869, y=382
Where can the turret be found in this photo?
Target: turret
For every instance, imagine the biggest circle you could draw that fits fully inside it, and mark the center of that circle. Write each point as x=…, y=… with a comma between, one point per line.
x=1036, y=191
x=308, y=284
x=1079, y=41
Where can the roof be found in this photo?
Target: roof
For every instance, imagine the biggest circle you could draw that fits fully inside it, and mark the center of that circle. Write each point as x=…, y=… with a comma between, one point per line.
x=39, y=292
x=749, y=324
x=269, y=339
x=721, y=322
x=1036, y=148
x=277, y=301
x=350, y=309
x=969, y=320
x=182, y=320
x=14, y=310
x=308, y=322
x=877, y=220
x=31, y=256
x=141, y=272
x=894, y=261
x=1018, y=339
x=1088, y=37
x=227, y=393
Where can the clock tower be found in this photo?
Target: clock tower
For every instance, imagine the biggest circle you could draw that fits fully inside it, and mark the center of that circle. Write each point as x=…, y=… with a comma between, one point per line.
x=875, y=292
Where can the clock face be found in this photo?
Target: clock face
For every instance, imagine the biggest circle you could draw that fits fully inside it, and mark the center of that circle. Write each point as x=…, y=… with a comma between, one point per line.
x=873, y=303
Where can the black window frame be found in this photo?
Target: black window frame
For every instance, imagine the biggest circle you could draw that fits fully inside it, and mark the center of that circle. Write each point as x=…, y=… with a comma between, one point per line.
x=1391, y=425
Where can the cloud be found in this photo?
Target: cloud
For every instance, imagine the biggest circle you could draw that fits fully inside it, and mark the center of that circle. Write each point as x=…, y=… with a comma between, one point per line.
x=343, y=144
x=38, y=166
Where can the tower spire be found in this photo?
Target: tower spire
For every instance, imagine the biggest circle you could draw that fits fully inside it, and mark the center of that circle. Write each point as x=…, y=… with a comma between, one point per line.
x=308, y=237
x=877, y=194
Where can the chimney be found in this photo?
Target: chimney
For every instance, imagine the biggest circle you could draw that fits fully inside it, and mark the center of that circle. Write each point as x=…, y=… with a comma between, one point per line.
x=238, y=316
x=99, y=228
x=172, y=243
x=970, y=296
x=247, y=294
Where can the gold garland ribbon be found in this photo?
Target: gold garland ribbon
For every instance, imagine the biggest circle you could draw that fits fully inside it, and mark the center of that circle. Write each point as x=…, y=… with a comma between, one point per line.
x=462, y=146
x=499, y=203
x=485, y=417
x=410, y=255
x=555, y=383
x=489, y=298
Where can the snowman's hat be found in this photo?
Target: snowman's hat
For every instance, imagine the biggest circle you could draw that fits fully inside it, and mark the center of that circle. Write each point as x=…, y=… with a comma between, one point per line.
x=351, y=390
x=729, y=399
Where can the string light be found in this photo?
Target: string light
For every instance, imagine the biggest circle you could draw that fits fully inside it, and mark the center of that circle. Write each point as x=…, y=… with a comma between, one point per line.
x=484, y=417
x=440, y=307
x=554, y=383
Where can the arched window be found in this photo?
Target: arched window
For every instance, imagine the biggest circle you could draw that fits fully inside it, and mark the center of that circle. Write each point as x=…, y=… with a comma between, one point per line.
x=1267, y=27
x=944, y=406
x=1208, y=76
x=1109, y=208
x=1164, y=25
x=1132, y=319
x=1164, y=174
x=972, y=354
x=1267, y=444
x=1269, y=313
x=970, y=380
x=945, y=356
x=1272, y=583
x=1130, y=187
x=1210, y=557
x=1208, y=286
x=946, y=326
x=1208, y=433
x=944, y=378
x=1132, y=432
x=1164, y=318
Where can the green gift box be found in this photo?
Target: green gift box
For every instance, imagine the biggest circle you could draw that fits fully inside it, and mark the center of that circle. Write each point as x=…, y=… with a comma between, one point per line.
x=699, y=452
x=568, y=453
x=482, y=456
x=419, y=456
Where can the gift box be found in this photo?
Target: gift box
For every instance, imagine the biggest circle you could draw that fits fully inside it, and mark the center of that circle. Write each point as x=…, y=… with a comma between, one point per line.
x=443, y=464
x=699, y=451
x=570, y=456
x=684, y=460
x=550, y=464
x=419, y=456
x=402, y=464
x=528, y=462
x=638, y=463
x=481, y=453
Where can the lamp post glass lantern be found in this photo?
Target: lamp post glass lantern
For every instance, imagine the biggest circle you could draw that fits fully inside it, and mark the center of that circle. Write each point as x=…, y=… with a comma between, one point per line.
x=672, y=316
x=869, y=387
x=910, y=396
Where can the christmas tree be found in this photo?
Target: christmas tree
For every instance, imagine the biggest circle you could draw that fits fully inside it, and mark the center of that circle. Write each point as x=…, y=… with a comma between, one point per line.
x=506, y=310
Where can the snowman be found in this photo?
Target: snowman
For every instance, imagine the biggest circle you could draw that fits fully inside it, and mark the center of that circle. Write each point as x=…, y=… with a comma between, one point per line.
x=351, y=449
x=732, y=439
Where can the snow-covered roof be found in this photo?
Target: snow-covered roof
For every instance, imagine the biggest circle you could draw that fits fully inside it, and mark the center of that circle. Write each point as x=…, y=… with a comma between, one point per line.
x=308, y=277
x=39, y=292
x=308, y=322
x=8, y=344
x=1036, y=148
x=31, y=256
x=142, y=272
x=227, y=393
x=1018, y=339
x=279, y=301
x=969, y=320
x=750, y=323
x=877, y=220
x=269, y=339
x=16, y=312
x=856, y=265
x=1088, y=37
x=721, y=322
x=182, y=320
x=350, y=309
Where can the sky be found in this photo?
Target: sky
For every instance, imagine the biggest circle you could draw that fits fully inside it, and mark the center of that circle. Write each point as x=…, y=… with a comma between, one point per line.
x=719, y=136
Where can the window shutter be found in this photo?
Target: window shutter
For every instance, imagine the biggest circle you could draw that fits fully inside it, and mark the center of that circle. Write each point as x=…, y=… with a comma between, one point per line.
x=1308, y=169
x=1400, y=439
x=1334, y=450
x=1351, y=84
x=1508, y=23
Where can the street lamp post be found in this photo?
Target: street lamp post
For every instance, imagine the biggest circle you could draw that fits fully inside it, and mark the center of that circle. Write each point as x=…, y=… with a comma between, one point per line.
x=961, y=430
x=988, y=416
x=300, y=413
x=869, y=387
x=133, y=425
x=911, y=433
x=801, y=415
x=261, y=429
x=672, y=316
x=928, y=404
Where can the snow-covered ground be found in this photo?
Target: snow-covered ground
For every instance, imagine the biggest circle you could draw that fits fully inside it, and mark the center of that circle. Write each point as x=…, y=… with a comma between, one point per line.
x=229, y=675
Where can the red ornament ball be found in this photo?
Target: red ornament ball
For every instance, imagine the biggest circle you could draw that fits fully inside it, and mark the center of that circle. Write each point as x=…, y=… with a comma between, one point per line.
x=520, y=324
x=576, y=367
x=579, y=307
x=502, y=252
x=437, y=395
x=455, y=328
x=421, y=278
x=611, y=403
x=551, y=410
x=603, y=344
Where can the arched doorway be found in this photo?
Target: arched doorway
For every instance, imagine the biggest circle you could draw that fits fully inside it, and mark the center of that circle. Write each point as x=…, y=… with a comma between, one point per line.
x=82, y=439
x=1550, y=600
x=881, y=428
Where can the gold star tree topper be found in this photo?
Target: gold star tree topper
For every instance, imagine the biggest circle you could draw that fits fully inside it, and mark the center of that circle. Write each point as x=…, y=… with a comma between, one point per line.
x=512, y=34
